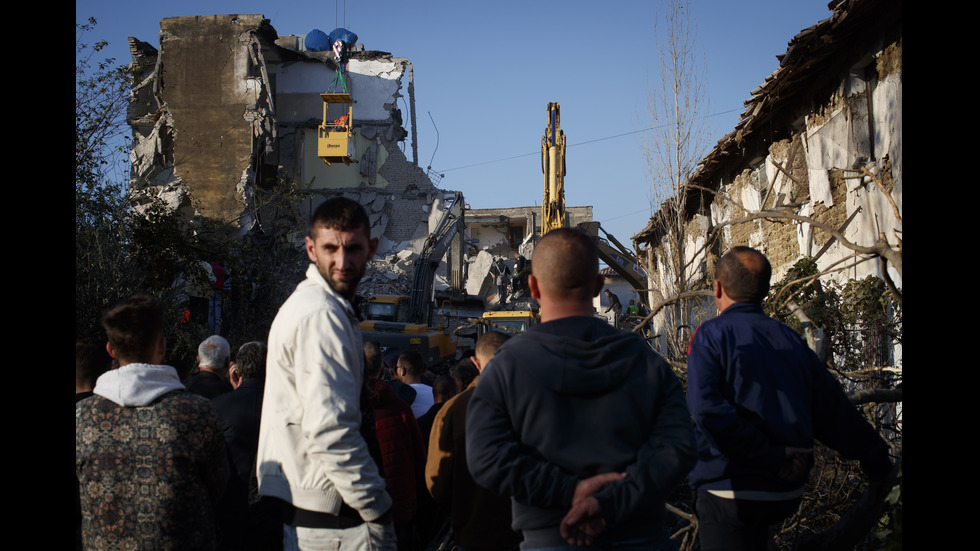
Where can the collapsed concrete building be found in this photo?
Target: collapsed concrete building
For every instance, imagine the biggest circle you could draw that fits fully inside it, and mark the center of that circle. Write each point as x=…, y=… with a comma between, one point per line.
x=820, y=138
x=500, y=232
x=226, y=106
x=504, y=230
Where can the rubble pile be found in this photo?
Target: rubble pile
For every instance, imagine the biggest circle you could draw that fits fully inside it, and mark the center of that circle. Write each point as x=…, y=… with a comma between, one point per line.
x=520, y=303
x=393, y=275
x=388, y=276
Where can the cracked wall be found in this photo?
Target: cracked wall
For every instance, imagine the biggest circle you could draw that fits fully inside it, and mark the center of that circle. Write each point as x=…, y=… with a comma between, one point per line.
x=203, y=113
x=226, y=108
x=824, y=180
x=817, y=172
x=820, y=138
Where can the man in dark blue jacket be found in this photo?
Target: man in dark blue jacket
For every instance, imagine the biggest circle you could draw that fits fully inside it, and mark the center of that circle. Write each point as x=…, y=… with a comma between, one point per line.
x=759, y=397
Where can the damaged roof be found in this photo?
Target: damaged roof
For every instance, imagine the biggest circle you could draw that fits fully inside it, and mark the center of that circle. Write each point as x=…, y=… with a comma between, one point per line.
x=808, y=73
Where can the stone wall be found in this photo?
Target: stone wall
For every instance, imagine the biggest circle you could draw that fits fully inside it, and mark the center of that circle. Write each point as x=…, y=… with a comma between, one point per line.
x=825, y=159
x=227, y=106
x=821, y=138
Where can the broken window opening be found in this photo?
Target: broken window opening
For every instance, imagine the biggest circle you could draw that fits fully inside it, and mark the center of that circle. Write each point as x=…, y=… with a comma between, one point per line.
x=871, y=82
x=515, y=236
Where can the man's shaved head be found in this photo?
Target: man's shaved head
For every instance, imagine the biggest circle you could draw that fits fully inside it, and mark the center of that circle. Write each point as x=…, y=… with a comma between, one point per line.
x=566, y=264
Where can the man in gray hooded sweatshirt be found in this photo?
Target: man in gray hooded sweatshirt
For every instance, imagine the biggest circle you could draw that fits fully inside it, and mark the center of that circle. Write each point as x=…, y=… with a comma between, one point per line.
x=581, y=424
x=149, y=456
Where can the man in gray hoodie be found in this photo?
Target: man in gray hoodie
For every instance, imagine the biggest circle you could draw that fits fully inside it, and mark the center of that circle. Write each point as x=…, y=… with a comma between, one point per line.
x=149, y=456
x=582, y=424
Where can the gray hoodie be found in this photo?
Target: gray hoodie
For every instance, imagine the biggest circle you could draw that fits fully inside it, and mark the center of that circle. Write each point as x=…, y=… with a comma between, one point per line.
x=137, y=384
x=570, y=399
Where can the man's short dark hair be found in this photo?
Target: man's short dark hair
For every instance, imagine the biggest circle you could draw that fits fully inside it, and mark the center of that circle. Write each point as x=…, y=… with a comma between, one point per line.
x=744, y=274
x=464, y=372
x=372, y=360
x=413, y=362
x=566, y=262
x=91, y=361
x=342, y=214
x=250, y=360
x=133, y=327
x=444, y=387
x=489, y=342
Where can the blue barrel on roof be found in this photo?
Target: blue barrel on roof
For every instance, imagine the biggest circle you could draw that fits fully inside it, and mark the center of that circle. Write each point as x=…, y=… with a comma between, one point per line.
x=343, y=35
x=318, y=41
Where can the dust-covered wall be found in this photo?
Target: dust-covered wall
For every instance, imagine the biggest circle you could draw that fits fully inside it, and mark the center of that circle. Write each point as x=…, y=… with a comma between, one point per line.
x=227, y=107
x=821, y=139
x=836, y=156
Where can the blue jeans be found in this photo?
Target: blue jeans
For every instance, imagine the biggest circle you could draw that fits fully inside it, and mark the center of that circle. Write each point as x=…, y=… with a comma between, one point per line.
x=369, y=536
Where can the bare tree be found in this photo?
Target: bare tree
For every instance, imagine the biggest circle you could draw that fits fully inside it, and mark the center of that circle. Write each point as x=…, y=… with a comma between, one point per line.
x=680, y=138
x=101, y=98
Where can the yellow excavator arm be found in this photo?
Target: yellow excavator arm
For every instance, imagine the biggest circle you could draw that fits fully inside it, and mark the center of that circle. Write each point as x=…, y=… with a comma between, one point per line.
x=553, y=166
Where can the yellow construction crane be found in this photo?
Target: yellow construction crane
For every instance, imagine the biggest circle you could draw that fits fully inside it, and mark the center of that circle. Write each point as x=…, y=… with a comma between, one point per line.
x=553, y=166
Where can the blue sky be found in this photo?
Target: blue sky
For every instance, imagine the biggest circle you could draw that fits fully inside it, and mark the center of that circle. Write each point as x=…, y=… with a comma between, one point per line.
x=486, y=71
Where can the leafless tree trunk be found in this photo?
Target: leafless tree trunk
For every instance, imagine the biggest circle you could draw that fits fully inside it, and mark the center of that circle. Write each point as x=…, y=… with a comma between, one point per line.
x=677, y=105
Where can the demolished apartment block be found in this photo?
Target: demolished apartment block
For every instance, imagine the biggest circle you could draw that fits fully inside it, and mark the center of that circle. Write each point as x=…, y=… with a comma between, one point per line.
x=501, y=232
x=226, y=107
x=822, y=137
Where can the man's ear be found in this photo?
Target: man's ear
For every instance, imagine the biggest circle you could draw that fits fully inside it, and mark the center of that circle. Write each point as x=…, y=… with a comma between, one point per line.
x=599, y=282
x=108, y=348
x=532, y=284
x=311, y=249
x=234, y=376
x=717, y=289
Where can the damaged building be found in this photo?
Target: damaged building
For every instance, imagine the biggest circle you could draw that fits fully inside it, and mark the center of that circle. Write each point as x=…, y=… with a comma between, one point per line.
x=821, y=138
x=502, y=231
x=226, y=107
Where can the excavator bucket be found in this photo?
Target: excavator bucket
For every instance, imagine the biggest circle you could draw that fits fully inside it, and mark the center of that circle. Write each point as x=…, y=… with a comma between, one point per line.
x=334, y=138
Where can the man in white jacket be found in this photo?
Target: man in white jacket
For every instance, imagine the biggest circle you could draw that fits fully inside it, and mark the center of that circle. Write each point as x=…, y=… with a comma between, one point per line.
x=313, y=455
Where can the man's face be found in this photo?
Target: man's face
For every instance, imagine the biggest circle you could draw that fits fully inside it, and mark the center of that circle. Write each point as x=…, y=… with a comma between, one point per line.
x=341, y=256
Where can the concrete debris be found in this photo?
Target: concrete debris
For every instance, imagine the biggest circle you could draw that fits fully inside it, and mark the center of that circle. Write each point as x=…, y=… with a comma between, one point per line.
x=393, y=273
x=384, y=278
x=477, y=281
x=407, y=254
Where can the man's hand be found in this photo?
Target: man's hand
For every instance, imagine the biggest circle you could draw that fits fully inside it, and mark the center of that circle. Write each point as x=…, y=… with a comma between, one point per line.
x=584, y=521
x=588, y=486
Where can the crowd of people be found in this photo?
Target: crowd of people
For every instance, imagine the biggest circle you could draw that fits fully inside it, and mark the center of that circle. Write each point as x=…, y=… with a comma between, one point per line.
x=568, y=436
